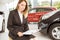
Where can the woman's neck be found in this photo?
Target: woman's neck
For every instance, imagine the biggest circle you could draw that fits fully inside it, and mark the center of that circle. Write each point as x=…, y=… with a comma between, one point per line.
x=19, y=11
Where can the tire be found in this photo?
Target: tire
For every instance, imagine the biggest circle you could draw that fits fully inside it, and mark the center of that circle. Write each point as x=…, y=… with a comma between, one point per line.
x=52, y=30
x=3, y=27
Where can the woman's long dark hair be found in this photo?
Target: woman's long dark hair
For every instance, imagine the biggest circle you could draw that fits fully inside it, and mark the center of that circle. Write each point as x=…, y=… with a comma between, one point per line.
x=26, y=8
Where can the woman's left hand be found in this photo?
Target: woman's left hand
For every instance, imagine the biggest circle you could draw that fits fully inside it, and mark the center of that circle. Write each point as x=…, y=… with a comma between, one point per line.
x=20, y=34
x=32, y=39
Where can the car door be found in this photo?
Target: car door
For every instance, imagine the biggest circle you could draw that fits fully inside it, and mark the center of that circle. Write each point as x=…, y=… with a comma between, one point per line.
x=31, y=15
x=36, y=13
x=2, y=22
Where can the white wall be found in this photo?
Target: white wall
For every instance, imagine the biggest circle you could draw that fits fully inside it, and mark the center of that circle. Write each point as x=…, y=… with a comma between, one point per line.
x=9, y=6
x=5, y=8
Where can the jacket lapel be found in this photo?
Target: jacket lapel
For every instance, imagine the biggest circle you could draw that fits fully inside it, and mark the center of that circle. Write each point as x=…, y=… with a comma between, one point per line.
x=17, y=16
x=23, y=18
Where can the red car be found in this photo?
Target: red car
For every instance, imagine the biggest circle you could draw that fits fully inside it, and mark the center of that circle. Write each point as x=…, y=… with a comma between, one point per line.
x=36, y=13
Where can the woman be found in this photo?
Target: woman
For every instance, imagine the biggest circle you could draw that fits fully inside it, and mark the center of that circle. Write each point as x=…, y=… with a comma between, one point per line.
x=17, y=22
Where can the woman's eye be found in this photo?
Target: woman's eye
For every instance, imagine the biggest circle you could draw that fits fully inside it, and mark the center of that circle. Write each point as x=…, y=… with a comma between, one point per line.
x=22, y=5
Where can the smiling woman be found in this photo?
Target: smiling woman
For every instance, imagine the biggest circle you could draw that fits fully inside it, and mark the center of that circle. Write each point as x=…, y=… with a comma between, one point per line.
x=17, y=22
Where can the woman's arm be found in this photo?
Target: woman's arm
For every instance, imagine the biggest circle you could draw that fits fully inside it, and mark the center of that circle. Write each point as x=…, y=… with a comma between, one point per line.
x=26, y=25
x=11, y=26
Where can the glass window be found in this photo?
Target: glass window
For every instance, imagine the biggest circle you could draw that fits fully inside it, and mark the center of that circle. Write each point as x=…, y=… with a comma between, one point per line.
x=32, y=10
x=43, y=10
x=40, y=10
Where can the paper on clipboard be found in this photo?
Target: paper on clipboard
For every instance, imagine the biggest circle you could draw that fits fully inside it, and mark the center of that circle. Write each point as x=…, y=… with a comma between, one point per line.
x=29, y=32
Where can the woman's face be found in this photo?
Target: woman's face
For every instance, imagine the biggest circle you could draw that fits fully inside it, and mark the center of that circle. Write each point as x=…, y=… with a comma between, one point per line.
x=22, y=6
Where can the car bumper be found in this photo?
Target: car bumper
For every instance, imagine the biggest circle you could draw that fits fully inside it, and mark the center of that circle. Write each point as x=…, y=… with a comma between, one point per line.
x=43, y=26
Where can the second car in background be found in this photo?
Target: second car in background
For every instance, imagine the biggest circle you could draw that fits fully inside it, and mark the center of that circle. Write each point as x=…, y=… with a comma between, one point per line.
x=36, y=13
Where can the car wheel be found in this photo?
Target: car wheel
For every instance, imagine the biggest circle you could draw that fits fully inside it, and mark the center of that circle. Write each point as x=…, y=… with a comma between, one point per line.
x=3, y=27
x=54, y=31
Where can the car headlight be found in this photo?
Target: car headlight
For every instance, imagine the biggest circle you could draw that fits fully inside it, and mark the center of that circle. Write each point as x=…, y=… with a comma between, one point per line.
x=46, y=16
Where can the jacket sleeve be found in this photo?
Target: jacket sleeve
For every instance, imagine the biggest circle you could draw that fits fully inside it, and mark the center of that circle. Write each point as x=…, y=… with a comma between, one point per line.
x=10, y=25
x=27, y=28
x=26, y=25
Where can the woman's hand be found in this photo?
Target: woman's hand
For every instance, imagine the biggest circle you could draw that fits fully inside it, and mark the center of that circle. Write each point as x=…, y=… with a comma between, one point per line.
x=32, y=39
x=20, y=34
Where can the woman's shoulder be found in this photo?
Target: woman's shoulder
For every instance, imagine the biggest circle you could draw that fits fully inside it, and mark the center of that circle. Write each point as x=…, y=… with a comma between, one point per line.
x=13, y=11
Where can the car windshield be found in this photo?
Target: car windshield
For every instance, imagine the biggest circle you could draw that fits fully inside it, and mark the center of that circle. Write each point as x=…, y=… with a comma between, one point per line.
x=34, y=10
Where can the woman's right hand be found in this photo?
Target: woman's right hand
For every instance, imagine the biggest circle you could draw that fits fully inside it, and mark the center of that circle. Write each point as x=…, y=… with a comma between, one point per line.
x=20, y=34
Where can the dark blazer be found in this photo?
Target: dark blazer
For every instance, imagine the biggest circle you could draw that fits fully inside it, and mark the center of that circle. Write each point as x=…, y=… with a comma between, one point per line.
x=14, y=26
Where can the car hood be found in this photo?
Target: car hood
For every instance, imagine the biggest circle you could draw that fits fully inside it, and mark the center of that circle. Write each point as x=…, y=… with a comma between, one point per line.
x=46, y=16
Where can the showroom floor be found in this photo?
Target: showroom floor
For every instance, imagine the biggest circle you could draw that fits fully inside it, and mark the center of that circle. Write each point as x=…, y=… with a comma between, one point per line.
x=39, y=36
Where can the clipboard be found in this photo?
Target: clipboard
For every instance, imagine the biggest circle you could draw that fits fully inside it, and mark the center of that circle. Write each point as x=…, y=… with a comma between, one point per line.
x=30, y=32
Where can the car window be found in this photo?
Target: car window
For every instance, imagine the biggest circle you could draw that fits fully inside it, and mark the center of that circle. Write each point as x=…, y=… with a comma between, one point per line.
x=43, y=9
x=1, y=13
x=32, y=10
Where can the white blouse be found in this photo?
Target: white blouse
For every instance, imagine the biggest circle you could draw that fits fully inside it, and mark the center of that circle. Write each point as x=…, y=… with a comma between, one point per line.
x=21, y=16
